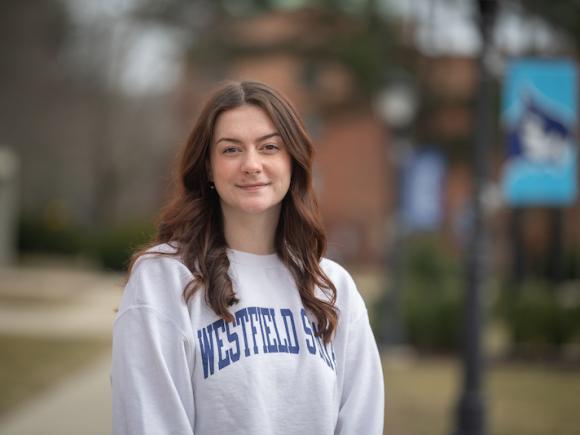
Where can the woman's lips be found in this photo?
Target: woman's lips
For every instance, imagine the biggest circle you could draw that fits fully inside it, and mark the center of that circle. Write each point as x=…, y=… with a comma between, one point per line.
x=252, y=187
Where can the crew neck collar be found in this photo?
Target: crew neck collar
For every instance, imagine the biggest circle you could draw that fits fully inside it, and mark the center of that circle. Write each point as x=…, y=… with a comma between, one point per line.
x=257, y=260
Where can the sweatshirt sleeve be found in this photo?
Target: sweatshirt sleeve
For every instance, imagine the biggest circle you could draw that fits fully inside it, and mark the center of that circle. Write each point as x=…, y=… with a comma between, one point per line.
x=151, y=362
x=359, y=371
x=361, y=409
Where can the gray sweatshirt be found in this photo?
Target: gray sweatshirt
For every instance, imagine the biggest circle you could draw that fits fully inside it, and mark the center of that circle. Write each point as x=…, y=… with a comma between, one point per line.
x=179, y=369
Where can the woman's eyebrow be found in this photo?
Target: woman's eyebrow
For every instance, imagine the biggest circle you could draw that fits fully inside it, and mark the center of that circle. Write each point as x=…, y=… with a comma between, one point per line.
x=268, y=136
x=237, y=141
x=228, y=139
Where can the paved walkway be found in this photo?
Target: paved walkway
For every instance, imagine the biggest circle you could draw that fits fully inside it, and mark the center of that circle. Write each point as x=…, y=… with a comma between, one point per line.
x=58, y=302
x=80, y=405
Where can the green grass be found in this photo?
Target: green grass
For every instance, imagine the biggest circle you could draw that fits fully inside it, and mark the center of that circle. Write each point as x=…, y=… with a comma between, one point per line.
x=30, y=364
x=534, y=400
x=521, y=399
x=36, y=300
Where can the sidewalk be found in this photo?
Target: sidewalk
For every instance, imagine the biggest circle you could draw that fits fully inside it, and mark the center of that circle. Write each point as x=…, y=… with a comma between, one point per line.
x=80, y=405
x=64, y=303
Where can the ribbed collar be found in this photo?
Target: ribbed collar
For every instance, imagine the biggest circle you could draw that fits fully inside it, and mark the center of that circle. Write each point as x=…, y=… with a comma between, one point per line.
x=254, y=260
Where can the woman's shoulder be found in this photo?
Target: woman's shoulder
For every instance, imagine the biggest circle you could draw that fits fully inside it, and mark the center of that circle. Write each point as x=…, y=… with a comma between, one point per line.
x=158, y=274
x=348, y=298
x=168, y=249
x=337, y=273
x=155, y=287
x=161, y=254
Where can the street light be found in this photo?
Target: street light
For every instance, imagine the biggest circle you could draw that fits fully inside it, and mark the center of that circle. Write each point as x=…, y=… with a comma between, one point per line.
x=471, y=407
x=397, y=106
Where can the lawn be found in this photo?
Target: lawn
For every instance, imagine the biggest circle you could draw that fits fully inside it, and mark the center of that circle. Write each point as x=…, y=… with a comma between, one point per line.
x=30, y=364
x=521, y=399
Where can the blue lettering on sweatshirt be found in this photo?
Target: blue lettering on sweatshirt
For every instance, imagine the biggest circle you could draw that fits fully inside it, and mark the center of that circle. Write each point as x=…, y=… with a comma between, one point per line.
x=315, y=341
x=253, y=312
x=233, y=338
x=206, y=347
x=270, y=346
x=242, y=318
x=310, y=343
x=283, y=348
x=225, y=360
x=262, y=329
x=222, y=344
x=287, y=314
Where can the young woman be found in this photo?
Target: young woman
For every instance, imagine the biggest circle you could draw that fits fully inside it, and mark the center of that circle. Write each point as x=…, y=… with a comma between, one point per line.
x=231, y=321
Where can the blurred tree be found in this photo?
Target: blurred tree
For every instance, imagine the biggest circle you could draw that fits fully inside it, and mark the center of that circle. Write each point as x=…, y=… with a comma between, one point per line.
x=51, y=98
x=563, y=15
x=64, y=112
x=32, y=34
x=353, y=33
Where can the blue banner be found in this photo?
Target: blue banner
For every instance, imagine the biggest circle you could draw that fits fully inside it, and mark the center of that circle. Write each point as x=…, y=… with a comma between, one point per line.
x=423, y=189
x=539, y=113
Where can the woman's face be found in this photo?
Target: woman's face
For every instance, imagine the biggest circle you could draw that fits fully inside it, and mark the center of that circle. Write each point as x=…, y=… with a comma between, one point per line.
x=250, y=165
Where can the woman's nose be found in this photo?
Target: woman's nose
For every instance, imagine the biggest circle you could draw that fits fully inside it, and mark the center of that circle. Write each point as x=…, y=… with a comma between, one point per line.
x=251, y=163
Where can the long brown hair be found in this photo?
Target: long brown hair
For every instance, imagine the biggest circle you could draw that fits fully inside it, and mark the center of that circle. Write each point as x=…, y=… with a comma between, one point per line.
x=192, y=220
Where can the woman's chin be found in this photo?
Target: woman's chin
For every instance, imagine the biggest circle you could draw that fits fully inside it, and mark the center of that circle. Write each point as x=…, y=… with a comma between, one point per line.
x=256, y=208
x=251, y=206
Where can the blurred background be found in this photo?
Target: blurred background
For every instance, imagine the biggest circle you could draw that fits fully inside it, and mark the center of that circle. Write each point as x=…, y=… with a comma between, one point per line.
x=446, y=165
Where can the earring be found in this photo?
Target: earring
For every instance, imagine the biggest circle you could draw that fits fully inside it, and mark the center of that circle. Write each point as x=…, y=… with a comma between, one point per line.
x=211, y=185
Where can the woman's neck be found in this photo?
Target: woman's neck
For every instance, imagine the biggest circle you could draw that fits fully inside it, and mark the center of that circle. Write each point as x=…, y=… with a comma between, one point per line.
x=254, y=234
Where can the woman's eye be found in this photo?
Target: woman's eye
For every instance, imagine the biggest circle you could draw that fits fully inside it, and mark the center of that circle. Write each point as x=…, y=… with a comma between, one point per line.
x=271, y=147
x=229, y=150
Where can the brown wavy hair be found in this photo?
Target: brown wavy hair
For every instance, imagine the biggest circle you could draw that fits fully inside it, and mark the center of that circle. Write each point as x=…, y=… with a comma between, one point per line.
x=192, y=221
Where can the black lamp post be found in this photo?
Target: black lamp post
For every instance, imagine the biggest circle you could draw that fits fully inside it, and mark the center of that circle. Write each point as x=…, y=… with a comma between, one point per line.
x=471, y=407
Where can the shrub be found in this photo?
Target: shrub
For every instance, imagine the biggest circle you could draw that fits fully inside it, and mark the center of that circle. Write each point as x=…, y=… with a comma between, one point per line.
x=40, y=234
x=541, y=316
x=430, y=297
x=113, y=246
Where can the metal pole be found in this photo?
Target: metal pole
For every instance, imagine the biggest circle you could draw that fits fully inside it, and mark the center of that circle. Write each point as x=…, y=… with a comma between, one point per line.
x=518, y=253
x=555, y=259
x=471, y=407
